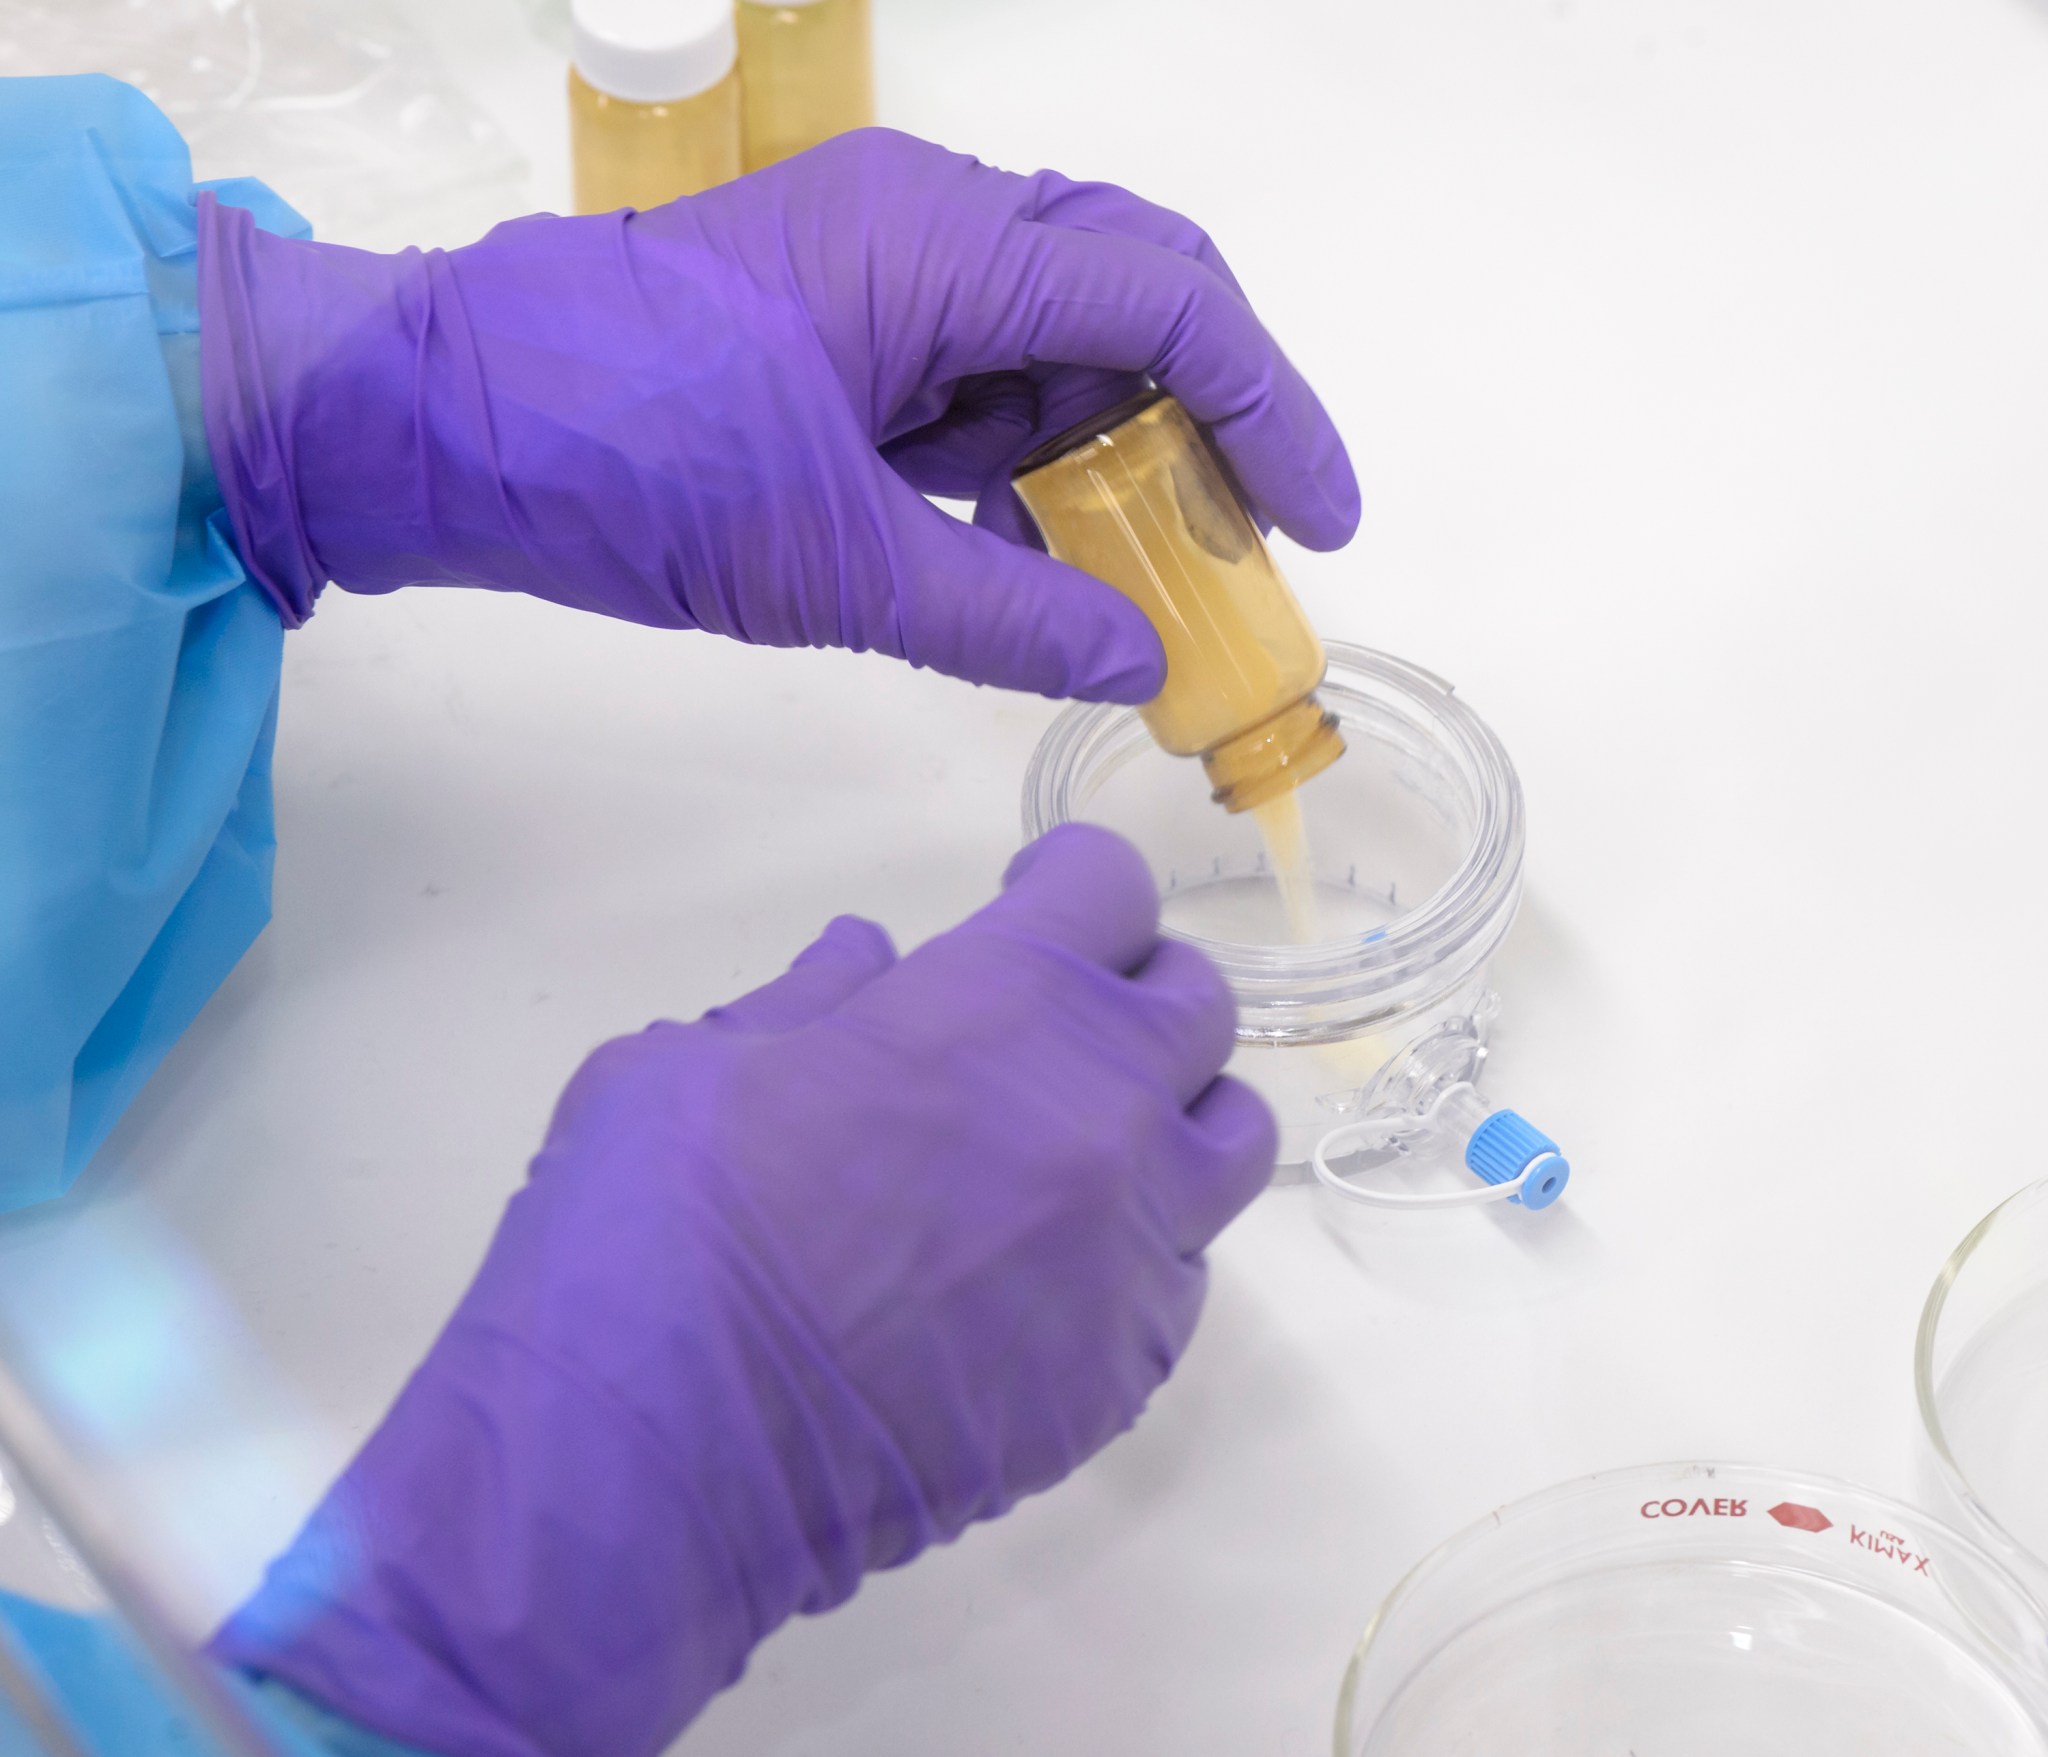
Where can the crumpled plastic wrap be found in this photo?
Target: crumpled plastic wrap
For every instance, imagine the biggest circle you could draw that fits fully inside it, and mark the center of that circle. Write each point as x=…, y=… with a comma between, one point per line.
x=339, y=105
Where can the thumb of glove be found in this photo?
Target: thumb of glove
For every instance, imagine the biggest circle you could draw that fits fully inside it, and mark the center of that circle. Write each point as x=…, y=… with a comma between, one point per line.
x=977, y=607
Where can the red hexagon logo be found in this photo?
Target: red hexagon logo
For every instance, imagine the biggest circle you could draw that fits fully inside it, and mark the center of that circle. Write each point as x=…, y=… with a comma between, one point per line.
x=1800, y=1518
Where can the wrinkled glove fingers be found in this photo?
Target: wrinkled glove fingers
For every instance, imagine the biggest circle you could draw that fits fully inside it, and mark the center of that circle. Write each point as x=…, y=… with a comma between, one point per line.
x=1055, y=200
x=1228, y=1143
x=1083, y=889
x=993, y=422
x=973, y=606
x=838, y=964
x=1177, y=1019
x=1123, y=305
x=991, y=419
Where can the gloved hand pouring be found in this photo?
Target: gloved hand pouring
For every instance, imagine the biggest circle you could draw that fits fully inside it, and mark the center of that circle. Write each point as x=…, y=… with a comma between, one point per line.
x=739, y=1340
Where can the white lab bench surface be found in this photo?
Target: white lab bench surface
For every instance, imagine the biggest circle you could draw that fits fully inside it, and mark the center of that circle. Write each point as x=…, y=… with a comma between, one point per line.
x=1694, y=358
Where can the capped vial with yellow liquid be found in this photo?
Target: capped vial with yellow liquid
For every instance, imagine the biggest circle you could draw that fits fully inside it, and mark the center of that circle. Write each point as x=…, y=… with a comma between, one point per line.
x=654, y=101
x=1139, y=498
x=807, y=73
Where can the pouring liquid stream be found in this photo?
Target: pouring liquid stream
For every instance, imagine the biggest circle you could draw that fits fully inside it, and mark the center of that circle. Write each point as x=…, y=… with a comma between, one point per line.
x=1281, y=828
x=1284, y=831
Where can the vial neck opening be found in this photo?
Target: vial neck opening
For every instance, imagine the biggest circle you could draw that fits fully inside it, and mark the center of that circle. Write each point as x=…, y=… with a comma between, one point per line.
x=1273, y=757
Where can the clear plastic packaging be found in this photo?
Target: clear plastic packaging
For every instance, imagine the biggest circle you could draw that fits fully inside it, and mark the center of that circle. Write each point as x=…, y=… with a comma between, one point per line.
x=549, y=22
x=339, y=105
x=1699, y=1610
x=1415, y=857
x=1981, y=1374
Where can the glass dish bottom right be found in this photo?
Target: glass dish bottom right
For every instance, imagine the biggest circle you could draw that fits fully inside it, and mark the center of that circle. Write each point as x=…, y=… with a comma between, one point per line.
x=1684, y=1661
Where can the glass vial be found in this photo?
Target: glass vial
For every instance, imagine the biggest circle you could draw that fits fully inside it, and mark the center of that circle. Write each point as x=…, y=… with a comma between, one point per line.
x=654, y=101
x=1139, y=498
x=807, y=70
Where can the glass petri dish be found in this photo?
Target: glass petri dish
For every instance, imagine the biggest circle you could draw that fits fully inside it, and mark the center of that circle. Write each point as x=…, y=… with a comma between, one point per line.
x=73, y=1614
x=1980, y=1371
x=1414, y=840
x=1697, y=1610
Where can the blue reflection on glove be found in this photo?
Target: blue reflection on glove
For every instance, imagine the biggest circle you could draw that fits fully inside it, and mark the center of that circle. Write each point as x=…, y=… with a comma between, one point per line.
x=113, y=1704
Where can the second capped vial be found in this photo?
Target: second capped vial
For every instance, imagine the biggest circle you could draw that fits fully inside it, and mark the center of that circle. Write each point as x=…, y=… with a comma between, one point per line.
x=807, y=70
x=654, y=101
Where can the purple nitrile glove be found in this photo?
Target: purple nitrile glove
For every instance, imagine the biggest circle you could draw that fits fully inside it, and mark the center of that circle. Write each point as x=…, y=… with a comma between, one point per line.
x=792, y=1292
x=724, y=413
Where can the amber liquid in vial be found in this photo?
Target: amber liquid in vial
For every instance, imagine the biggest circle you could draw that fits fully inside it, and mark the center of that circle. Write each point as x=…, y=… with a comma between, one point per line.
x=628, y=154
x=1140, y=499
x=808, y=73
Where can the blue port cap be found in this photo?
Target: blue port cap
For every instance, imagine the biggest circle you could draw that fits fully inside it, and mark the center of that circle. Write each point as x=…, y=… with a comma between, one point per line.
x=1504, y=1146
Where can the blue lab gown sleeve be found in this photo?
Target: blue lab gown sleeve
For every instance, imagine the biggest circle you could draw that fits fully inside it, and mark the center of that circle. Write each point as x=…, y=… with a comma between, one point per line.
x=138, y=664
x=111, y=1703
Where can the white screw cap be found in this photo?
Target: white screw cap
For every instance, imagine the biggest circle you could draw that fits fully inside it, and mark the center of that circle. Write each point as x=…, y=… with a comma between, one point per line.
x=653, y=51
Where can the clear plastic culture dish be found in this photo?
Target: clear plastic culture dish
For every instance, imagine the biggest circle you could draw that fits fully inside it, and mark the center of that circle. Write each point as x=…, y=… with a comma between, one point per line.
x=1981, y=1374
x=1697, y=1610
x=1414, y=843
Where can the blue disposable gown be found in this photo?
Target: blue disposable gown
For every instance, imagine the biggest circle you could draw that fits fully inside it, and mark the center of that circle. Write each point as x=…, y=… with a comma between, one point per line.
x=138, y=701
x=138, y=664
